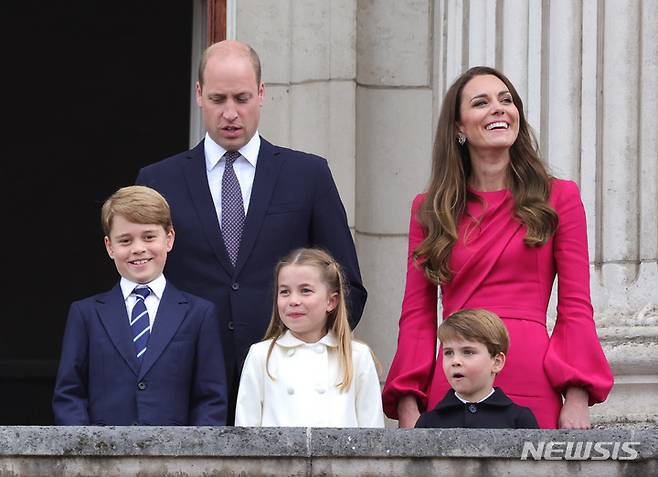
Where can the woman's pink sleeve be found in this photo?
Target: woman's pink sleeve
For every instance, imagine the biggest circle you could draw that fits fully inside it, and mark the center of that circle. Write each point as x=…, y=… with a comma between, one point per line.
x=413, y=364
x=574, y=356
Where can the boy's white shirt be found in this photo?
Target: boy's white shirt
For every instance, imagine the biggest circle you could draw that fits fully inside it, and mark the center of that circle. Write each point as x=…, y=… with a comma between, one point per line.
x=152, y=301
x=476, y=402
x=303, y=392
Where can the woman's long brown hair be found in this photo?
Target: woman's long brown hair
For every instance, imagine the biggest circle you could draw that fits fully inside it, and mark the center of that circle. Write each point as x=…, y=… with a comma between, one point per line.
x=447, y=193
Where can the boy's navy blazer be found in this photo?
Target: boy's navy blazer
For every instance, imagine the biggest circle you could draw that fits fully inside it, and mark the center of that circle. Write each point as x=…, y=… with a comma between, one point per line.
x=181, y=380
x=294, y=203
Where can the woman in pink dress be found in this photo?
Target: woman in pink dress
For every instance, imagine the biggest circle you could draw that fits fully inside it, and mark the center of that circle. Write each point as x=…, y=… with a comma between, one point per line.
x=493, y=230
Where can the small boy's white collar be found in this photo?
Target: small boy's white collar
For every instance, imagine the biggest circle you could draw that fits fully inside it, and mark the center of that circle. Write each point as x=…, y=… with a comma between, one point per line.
x=287, y=340
x=469, y=402
x=157, y=286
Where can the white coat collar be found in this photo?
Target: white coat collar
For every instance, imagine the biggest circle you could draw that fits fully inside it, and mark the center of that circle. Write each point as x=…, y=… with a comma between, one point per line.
x=287, y=340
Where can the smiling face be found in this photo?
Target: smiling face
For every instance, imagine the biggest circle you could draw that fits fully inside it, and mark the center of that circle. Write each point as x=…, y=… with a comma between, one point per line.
x=139, y=251
x=469, y=368
x=230, y=98
x=303, y=301
x=488, y=117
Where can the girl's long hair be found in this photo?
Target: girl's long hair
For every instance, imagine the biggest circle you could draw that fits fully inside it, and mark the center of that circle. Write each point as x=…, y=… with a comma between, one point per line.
x=337, y=319
x=447, y=193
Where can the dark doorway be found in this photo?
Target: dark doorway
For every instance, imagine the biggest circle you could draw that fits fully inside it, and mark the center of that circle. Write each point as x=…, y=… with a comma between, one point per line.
x=93, y=91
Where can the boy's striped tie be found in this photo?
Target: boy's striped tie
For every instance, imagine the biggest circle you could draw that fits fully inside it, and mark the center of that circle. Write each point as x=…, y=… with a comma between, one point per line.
x=139, y=322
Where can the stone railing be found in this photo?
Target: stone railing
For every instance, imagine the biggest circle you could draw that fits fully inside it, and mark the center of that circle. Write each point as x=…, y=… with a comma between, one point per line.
x=226, y=451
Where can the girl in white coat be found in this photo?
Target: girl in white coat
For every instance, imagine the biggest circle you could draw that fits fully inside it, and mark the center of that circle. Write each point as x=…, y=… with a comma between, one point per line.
x=308, y=372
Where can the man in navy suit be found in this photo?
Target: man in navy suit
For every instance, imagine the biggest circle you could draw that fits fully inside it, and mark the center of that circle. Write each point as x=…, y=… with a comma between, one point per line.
x=144, y=353
x=289, y=200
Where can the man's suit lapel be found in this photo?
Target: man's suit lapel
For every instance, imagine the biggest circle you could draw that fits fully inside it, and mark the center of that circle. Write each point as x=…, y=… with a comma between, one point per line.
x=114, y=317
x=267, y=171
x=171, y=313
x=197, y=183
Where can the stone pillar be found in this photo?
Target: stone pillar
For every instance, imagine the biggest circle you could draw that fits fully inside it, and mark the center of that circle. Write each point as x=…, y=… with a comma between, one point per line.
x=394, y=140
x=308, y=55
x=625, y=271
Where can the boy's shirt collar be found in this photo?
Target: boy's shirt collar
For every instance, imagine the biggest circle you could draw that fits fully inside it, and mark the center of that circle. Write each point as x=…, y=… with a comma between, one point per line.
x=469, y=402
x=157, y=286
x=497, y=398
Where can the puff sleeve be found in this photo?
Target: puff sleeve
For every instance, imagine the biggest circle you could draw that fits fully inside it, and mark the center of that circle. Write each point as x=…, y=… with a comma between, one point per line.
x=413, y=365
x=574, y=357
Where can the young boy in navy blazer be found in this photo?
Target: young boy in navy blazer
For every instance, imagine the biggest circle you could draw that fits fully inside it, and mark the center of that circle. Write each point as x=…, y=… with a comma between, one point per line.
x=143, y=353
x=474, y=344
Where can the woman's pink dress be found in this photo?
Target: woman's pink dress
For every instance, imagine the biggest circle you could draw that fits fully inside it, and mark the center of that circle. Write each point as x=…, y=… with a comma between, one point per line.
x=493, y=269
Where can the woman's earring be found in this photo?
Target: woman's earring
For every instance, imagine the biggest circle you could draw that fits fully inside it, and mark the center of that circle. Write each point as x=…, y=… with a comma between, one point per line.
x=461, y=139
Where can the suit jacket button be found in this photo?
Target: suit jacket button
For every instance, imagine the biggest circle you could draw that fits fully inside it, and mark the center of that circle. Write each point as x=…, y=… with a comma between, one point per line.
x=135, y=423
x=231, y=326
x=235, y=286
x=141, y=385
x=472, y=408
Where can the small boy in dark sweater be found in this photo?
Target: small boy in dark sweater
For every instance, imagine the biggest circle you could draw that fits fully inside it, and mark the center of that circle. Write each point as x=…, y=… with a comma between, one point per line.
x=474, y=344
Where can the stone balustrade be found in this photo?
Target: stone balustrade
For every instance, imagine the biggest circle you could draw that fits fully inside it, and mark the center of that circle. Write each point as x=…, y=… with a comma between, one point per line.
x=228, y=451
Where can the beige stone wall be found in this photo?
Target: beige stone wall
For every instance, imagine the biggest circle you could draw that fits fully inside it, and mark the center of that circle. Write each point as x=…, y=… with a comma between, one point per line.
x=308, y=56
x=360, y=82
